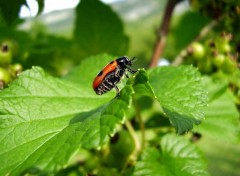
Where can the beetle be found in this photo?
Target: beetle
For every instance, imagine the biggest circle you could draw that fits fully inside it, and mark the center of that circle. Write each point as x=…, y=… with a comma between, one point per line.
x=111, y=74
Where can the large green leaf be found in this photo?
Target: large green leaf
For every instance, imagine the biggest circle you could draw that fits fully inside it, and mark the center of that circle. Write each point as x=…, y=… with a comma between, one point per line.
x=222, y=117
x=181, y=95
x=44, y=121
x=99, y=29
x=176, y=157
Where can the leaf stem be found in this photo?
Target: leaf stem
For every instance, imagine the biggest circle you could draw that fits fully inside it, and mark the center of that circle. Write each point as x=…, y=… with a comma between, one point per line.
x=162, y=32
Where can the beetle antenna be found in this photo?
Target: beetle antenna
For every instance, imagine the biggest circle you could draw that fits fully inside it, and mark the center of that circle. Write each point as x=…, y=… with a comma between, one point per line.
x=134, y=58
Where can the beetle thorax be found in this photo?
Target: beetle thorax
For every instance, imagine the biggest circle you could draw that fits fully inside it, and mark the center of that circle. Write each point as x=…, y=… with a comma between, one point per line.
x=123, y=62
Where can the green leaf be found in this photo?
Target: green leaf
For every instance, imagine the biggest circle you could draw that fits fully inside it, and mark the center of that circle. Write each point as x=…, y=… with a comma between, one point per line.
x=222, y=117
x=215, y=87
x=176, y=157
x=99, y=29
x=141, y=84
x=181, y=95
x=44, y=121
x=40, y=6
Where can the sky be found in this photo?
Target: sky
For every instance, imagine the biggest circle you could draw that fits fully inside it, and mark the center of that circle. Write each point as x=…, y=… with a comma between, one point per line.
x=50, y=5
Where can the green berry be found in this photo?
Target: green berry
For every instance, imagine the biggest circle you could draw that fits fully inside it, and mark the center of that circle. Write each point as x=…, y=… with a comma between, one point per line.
x=198, y=50
x=5, y=55
x=224, y=47
x=5, y=77
x=116, y=161
x=124, y=145
x=17, y=68
x=219, y=60
x=229, y=65
x=12, y=45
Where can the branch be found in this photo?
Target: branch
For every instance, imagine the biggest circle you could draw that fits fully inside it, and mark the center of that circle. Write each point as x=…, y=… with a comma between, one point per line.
x=162, y=32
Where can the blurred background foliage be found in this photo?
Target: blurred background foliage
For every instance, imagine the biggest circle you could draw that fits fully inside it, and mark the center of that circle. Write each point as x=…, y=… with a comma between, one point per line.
x=62, y=35
x=60, y=40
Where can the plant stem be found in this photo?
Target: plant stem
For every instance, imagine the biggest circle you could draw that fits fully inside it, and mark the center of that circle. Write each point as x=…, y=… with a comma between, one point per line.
x=141, y=124
x=205, y=30
x=162, y=32
x=133, y=156
x=133, y=134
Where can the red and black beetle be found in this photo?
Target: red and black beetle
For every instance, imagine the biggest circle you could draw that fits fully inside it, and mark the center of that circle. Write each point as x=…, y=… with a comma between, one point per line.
x=111, y=74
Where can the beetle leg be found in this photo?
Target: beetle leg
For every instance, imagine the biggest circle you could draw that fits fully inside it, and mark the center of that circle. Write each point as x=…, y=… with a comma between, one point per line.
x=126, y=75
x=117, y=71
x=131, y=71
x=118, y=93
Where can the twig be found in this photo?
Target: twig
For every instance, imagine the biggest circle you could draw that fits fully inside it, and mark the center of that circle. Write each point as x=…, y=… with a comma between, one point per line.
x=179, y=59
x=162, y=32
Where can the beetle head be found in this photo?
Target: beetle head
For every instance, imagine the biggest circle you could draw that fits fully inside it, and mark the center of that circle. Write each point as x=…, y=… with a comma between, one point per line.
x=124, y=61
